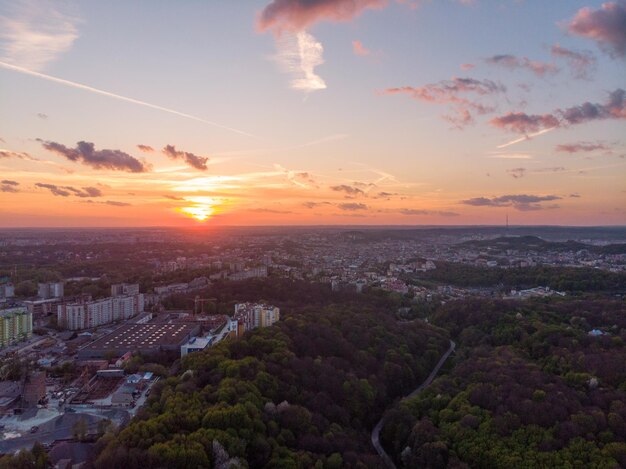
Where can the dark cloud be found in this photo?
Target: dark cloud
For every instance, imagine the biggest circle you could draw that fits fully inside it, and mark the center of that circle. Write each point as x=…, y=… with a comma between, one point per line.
x=7, y=185
x=86, y=154
x=352, y=206
x=606, y=26
x=85, y=192
x=523, y=123
x=145, y=148
x=41, y=115
x=513, y=62
x=441, y=213
x=516, y=173
x=66, y=191
x=195, y=161
x=15, y=154
x=522, y=202
x=117, y=204
x=352, y=191
x=56, y=190
x=581, y=63
x=315, y=204
x=297, y=15
x=575, y=195
x=520, y=122
x=582, y=147
x=173, y=197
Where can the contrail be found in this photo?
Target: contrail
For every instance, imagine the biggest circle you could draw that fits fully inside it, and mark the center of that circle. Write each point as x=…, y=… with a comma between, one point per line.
x=80, y=86
x=525, y=137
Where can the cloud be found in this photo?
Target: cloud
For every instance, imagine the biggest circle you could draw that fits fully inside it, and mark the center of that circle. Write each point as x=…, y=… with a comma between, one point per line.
x=516, y=173
x=351, y=191
x=352, y=206
x=56, y=190
x=298, y=54
x=14, y=154
x=145, y=148
x=117, y=204
x=520, y=122
x=513, y=62
x=523, y=123
x=66, y=191
x=195, y=161
x=315, y=204
x=441, y=213
x=298, y=51
x=522, y=202
x=449, y=91
x=466, y=67
x=298, y=15
x=86, y=154
x=85, y=192
x=269, y=210
x=7, y=185
x=359, y=49
x=33, y=34
x=173, y=197
x=41, y=115
x=581, y=63
x=581, y=147
x=575, y=195
x=606, y=26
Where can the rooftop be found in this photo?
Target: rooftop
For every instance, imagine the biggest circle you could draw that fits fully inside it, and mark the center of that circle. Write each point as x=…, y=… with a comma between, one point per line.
x=143, y=336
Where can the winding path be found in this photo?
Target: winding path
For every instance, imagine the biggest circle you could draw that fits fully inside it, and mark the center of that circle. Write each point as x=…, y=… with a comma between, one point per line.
x=376, y=431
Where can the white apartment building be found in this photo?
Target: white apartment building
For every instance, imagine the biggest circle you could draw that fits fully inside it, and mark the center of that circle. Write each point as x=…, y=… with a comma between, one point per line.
x=96, y=313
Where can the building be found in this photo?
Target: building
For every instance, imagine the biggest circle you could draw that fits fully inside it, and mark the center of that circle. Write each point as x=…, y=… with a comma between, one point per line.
x=253, y=315
x=50, y=290
x=142, y=338
x=7, y=290
x=195, y=344
x=124, y=289
x=88, y=314
x=34, y=389
x=15, y=324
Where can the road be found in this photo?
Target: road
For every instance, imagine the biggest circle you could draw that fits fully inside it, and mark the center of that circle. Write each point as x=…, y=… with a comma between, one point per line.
x=379, y=426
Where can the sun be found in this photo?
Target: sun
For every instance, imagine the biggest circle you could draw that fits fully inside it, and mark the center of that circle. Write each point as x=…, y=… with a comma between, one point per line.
x=199, y=213
x=200, y=208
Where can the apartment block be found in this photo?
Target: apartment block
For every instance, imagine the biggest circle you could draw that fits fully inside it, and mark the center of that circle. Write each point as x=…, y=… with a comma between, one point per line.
x=85, y=315
x=15, y=324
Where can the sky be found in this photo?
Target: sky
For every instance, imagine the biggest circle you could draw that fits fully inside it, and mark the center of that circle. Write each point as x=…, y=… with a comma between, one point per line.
x=312, y=112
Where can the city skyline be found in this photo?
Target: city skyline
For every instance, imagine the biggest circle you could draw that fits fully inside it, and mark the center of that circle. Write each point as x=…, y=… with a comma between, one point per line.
x=293, y=112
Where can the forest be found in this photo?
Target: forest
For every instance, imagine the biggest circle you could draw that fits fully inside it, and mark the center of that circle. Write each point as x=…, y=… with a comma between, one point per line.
x=570, y=279
x=529, y=387
x=303, y=393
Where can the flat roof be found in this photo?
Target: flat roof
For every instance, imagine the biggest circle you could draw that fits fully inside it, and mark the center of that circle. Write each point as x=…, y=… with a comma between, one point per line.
x=143, y=336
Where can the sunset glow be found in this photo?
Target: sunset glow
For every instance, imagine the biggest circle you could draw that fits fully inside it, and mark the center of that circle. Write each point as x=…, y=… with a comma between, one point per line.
x=288, y=113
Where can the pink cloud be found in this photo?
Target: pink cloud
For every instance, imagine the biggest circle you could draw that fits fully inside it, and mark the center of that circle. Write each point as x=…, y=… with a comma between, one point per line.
x=511, y=61
x=581, y=63
x=606, y=26
x=297, y=15
x=582, y=147
x=449, y=91
x=520, y=122
x=359, y=49
x=466, y=66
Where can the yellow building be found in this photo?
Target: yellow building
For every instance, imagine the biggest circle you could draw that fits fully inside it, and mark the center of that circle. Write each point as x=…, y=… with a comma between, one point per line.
x=15, y=324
